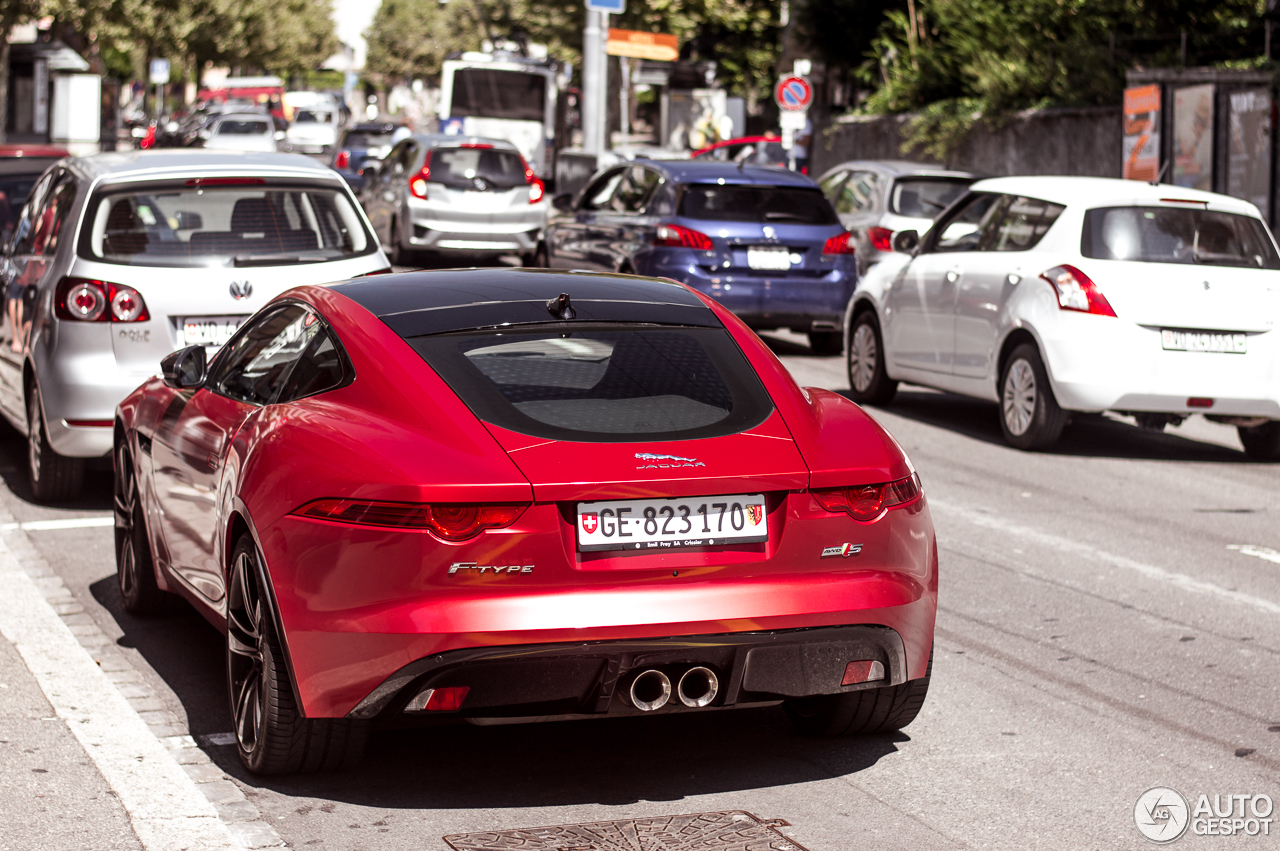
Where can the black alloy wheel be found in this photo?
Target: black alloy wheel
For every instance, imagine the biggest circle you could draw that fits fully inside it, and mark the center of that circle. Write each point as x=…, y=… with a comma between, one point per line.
x=1261, y=442
x=877, y=710
x=54, y=477
x=869, y=384
x=272, y=737
x=1029, y=414
x=135, y=570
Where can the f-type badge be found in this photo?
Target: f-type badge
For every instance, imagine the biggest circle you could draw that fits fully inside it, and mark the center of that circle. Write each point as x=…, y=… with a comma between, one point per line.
x=240, y=290
x=485, y=568
x=650, y=460
x=843, y=550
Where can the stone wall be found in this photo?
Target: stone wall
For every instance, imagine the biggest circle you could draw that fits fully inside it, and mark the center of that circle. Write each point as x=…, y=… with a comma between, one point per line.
x=1051, y=141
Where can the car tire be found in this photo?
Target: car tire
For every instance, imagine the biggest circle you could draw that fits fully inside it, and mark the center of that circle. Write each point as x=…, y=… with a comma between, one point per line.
x=400, y=256
x=826, y=343
x=135, y=569
x=537, y=259
x=856, y=713
x=272, y=737
x=1029, y=414
x=1261, y=442
x=54, y=477
x=869, y=383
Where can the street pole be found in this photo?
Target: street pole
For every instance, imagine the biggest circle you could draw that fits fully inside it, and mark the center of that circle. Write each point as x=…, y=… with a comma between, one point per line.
x=593, y=84
x=625, y=96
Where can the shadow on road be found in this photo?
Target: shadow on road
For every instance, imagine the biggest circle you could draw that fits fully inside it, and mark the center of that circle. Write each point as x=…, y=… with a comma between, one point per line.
x=1086, y=435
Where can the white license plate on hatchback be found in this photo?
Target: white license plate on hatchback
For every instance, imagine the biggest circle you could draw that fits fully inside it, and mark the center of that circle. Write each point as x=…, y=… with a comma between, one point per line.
x=211, y=331
x=775, y=259
x=1230, y=342
x=660, y=524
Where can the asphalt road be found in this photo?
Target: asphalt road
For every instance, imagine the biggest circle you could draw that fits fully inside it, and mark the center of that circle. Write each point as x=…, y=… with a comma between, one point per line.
x=1109, y=622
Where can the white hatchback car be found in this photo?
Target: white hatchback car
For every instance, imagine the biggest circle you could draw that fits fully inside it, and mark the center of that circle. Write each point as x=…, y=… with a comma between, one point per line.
x=119, y=259
x=1059, y=294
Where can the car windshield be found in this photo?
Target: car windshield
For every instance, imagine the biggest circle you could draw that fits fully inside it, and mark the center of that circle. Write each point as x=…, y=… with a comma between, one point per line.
x=490, y=93
x=251, y=222
x=463, y=167
x=602, y=385
x=242, y=127
x=367, y=139
x=925, y=198
x=755, y=203
x=311, y=116
x=1178, y=235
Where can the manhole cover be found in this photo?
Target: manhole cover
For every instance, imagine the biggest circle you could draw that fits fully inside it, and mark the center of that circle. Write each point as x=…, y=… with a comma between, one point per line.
x=731, y=831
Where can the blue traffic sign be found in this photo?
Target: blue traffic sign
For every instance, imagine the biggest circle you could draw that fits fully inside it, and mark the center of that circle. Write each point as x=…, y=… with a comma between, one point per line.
x=613, y=7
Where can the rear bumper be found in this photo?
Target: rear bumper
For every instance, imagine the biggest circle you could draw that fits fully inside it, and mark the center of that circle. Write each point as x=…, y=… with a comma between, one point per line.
x=593, y=678
x=521, y=242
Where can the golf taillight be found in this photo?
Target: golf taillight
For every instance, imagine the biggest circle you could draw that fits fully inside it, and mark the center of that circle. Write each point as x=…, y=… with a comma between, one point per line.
x=1076, y=291
x=342, y=160
x=881, y=239
x=87, y=300
x=867, y=502
x=418, y=183
x=675, y=236
x=842, y=243
x=448, y=522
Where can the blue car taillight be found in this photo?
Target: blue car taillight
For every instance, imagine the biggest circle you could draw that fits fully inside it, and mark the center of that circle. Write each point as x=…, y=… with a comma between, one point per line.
x=675, y=236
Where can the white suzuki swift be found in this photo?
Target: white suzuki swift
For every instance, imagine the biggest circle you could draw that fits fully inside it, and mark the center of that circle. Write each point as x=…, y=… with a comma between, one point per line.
x=1058, y=294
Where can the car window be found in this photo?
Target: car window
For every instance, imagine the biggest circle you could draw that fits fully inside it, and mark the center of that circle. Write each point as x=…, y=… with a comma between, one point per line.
x=321, y=367
x=24, y=232
x=632, y=194
x=1019, y=224
x=240, y=127
x=963, y=228
x=1178, y=235
x=256, y=222
x=756, y=203
x=599, y=193
x=832, y=183
x=925, y=197
x=51, y=225
x=858, y=195
x=254, y=365
x=601, y=385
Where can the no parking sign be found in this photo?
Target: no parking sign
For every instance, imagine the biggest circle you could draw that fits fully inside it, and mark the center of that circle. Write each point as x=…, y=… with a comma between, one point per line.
x=793, y=94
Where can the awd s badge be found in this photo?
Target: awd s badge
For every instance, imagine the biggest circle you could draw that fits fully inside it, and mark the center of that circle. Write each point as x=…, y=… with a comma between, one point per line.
x=842, y=550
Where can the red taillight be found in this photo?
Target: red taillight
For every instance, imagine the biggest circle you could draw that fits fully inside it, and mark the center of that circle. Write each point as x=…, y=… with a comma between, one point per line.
x=418, y=183
x=476, y=145
x=840, y=244
x=342, y=160
x=87, y=300
x=537, y=189
x=1199, y=402
x=867, y=502
x=675, y=236
x=449, y=522
x=90, y=423
x=1076, y=292
x=881, y=239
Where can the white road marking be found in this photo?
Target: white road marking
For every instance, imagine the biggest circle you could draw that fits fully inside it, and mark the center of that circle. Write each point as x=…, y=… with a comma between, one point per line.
x=69, y=523
x=1265, y=553
x=168, y=812
x=1077, y=548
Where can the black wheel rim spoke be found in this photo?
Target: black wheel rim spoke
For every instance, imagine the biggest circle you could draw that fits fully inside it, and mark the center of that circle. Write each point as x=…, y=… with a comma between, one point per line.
x=245, y=654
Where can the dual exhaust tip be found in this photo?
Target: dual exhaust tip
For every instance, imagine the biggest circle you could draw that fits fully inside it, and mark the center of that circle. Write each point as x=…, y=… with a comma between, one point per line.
x=696, y=688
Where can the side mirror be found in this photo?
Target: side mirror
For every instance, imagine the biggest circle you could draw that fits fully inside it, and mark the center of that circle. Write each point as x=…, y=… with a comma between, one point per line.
x=184, y=368
x=906, y=241
x=563, y=202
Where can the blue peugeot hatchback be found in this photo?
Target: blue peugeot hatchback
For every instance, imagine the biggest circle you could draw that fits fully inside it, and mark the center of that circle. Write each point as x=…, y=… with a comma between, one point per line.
x=763, y=241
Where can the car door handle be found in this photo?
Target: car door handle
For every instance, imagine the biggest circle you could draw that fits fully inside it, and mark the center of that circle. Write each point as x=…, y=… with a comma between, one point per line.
x=952, y=276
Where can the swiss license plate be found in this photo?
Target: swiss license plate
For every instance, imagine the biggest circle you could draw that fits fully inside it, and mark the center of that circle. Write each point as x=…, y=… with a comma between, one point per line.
x=1231, y=342
x=661, y=524
x=778, y=259
x=213, y=331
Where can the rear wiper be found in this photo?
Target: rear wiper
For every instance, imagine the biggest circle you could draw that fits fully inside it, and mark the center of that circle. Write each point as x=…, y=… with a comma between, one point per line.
x=275, y=260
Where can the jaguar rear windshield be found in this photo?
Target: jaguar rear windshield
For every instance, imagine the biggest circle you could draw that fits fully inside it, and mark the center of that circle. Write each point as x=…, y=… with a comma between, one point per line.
x=226, y=222
x=1178, y=235
x=601, y=382
x=754, y=203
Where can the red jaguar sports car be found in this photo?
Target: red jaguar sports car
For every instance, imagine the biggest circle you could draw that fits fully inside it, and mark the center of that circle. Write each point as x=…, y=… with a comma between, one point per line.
x=503, y=494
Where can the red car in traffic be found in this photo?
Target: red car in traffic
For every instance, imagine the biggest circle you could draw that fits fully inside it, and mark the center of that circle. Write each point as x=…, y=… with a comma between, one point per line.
x=521, y=494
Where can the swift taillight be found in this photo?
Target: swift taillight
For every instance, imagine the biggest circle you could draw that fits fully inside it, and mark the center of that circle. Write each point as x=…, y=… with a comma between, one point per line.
x=537, y=189
x=1076, y=291
x=449, y=522
x=89, y=300
x=418, y=183
x=867, y=502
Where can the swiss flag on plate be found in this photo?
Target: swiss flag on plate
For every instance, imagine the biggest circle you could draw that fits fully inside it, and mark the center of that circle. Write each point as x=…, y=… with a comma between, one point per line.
x=590, y=522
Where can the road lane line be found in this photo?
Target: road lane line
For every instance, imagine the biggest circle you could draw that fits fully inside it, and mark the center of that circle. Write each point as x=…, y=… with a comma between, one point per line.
x=166, y=809
x=69, y=523
x=1077, y=548
x=1265, y=553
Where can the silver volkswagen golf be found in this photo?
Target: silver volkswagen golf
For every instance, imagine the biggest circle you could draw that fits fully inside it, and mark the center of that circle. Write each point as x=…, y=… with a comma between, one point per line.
x=119, y=259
